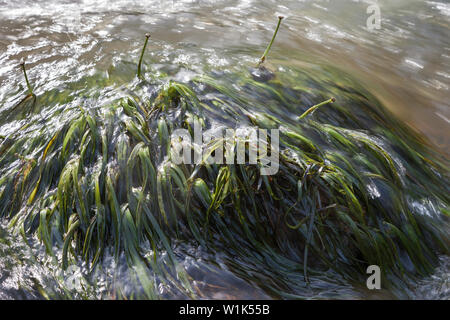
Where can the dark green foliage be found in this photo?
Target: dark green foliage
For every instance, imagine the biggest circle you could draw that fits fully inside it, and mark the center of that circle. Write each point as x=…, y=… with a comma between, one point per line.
x=355, y=187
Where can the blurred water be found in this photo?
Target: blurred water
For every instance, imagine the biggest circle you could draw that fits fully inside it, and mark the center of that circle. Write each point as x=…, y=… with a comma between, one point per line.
x=406, y=63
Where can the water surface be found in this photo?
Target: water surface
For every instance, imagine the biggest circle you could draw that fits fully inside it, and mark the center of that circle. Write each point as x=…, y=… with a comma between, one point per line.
x=406, y=64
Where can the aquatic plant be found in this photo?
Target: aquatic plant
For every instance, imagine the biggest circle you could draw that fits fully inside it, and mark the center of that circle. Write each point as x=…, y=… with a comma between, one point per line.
x=263, y=57
x=147, y=36
x=355, y=186
x=313, y=108
x=30, y=89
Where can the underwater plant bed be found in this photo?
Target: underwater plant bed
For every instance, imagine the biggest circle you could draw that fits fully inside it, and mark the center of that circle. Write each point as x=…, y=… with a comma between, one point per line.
x=355, y=186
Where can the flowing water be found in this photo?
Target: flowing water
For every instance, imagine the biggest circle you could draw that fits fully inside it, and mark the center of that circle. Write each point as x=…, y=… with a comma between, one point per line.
x=406, y=65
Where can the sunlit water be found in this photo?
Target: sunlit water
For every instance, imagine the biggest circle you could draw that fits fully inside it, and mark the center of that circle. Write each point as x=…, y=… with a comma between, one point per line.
x=406, y=64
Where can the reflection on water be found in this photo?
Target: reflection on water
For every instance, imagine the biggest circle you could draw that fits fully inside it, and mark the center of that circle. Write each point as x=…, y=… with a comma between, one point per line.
x=406, y=64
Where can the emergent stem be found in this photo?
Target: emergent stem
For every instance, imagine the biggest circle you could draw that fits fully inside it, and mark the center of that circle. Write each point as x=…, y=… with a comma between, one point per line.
x=147, y=36
x=263, y=58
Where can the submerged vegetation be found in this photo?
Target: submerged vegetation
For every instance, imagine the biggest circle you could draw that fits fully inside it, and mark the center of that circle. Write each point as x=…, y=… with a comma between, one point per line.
x=355, y=186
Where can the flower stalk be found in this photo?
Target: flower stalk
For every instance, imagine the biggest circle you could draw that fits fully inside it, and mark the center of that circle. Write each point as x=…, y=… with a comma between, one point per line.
x=263, y=58
x=147, y=36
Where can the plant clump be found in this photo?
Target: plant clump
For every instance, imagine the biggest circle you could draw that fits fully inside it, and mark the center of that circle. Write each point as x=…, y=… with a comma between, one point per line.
x=354, y=188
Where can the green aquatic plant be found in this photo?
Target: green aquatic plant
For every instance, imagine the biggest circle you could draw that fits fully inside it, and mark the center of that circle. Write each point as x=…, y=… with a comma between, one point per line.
x=26, y=105
x=313, y=108
x=147, y=36
x=264, y=56
x=355, y=186
x=30, y=89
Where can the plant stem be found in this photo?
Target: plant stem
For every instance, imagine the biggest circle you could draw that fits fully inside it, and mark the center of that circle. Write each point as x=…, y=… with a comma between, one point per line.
x=147, y=36
x=313, y=108
x=263, y=58
x=22, y=64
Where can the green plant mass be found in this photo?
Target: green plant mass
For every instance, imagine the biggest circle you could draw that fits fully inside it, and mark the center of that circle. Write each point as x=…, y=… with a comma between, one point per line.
x=95, y=180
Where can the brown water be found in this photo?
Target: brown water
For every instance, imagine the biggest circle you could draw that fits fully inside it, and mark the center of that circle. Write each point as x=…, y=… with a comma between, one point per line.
x=406, y=64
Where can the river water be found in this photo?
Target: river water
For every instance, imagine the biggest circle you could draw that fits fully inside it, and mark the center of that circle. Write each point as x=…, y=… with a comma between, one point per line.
x=406, y=63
